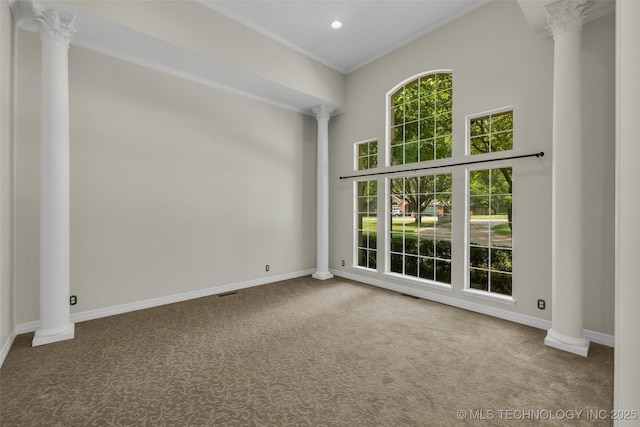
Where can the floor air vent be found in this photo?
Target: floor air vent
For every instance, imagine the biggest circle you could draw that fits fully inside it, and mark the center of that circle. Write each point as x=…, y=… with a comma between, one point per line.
x=226, y=294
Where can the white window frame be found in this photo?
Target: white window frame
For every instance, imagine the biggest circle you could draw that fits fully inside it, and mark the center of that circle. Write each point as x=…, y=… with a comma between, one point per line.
x=387, y=145
x=467, y=290
x=356, y=195
x=356, y=153
x=467, y=130
x=387, y=231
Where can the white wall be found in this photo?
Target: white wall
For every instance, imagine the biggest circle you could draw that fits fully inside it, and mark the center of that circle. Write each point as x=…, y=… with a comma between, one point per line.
x=496, y=62
x=175, y=187
x=7, y=312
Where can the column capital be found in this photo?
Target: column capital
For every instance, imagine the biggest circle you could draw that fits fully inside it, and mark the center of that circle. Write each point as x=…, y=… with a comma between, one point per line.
x=564, y=15
x=322, y=112
x=59, y=27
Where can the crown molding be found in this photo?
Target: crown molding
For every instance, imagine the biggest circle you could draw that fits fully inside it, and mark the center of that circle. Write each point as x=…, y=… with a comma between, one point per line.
x=109, y=38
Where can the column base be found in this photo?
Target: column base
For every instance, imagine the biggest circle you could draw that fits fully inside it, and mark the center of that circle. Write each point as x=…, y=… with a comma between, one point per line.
x=48, y=336
x=322, y=275
x=579, y=346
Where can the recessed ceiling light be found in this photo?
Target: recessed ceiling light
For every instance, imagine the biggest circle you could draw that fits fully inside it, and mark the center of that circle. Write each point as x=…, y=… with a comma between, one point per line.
x=336, y=24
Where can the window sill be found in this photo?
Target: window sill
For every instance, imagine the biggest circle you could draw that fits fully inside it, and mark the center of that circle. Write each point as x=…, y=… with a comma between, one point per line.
x=360, y=269
x=503, y=299
x=420, y=282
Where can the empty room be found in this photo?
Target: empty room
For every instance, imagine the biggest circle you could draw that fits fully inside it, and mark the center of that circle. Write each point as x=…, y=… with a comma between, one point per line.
x=337, y=213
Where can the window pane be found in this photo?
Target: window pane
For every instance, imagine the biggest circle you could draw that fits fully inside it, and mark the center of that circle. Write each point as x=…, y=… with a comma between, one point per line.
x=443, y=271
x=477, y=127
x=362, y=257
x=411, y=244
x=411, y=152
x=397, y=155
x=411, y=132
x=372, y=259
x=397, y=135
x=398, y=97
x=443, y=124
x=444, y=103
x=443, y=147
x=397, y=242
x=502, y=141
x=444, y=82
x=501, y=283
x=412, y=110
x=479, y=257
x=479, y=279
x=443, y=249
x=427, y=86
x=397, y=115
x=427, y=128
x=501, y=234
x=426, y=269
x=411, y=91
x=428, y=107
x=502, y=121
x=397, y=263
x=427, y=150
x=501, y=260
x=480, y=145
x=411, y=266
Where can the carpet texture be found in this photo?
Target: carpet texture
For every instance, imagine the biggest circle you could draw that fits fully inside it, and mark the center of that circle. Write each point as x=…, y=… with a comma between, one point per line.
x=303, y=353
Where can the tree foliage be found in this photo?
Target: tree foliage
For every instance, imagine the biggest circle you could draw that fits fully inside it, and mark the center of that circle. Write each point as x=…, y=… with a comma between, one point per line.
x=421, y=120
x=421, y=192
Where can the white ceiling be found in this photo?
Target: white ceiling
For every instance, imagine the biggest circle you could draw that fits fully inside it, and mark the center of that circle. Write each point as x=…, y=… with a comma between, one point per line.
x=371, y=28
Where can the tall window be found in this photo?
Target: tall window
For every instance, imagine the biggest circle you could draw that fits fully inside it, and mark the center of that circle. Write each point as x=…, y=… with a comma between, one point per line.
x=420, y=241
x=366, y=155
x=490, y=230
x=421, y=119
x=490, y=133
x=367, y=224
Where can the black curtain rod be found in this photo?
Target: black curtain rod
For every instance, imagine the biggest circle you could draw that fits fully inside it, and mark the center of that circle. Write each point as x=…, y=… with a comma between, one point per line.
x=540, y=154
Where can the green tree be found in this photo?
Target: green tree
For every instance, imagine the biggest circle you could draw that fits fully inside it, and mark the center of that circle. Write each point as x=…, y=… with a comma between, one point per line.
x=420, y=192
x=421, y=120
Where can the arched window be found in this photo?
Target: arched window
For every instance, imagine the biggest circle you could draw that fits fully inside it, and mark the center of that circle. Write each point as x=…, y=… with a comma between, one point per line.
x=420, y=118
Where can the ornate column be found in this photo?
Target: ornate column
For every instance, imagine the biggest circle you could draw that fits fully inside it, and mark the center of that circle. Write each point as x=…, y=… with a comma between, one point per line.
x=323, y=114
x=565, y=20
x=55, y=318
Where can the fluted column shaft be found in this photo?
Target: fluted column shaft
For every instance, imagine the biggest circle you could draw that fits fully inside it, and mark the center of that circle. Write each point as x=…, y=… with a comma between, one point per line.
x=565, y=20
x=55, y=318
x=323, y=114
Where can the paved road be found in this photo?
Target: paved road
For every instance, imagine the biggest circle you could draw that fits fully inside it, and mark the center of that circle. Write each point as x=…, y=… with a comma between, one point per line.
x=479, y=233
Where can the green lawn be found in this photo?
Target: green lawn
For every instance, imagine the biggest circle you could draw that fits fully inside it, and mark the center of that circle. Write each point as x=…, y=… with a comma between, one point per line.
x=505, y=216
x=502, y=229
x=370, y=224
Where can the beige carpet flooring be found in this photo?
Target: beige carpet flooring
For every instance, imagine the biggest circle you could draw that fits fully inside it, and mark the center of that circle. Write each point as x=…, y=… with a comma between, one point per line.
x=303, y=353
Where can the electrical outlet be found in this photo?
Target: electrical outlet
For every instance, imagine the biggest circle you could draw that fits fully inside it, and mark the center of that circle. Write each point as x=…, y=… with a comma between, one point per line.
x=343, y=263
x=542, y=304
x=266, y=268
x=73, y=300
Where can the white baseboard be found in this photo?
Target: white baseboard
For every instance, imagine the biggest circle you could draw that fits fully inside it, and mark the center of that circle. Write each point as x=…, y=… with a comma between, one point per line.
x=535, y=322
x=7, y=346
x=523, y=319
x=170, y=299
